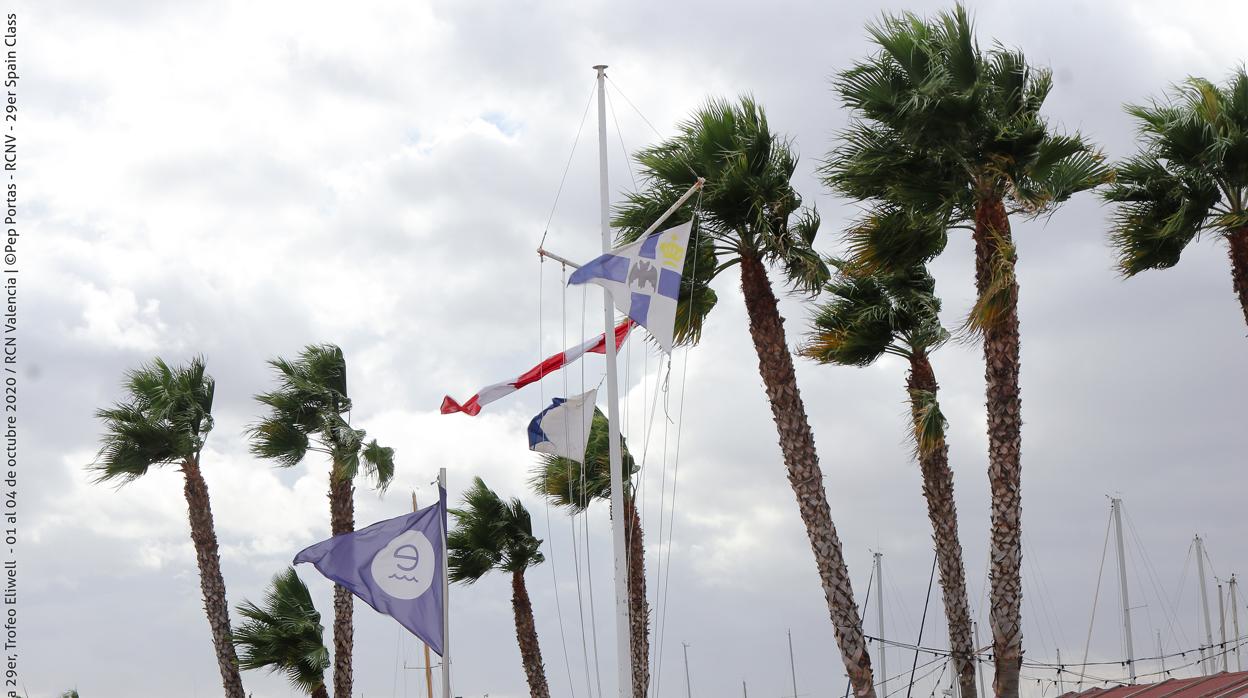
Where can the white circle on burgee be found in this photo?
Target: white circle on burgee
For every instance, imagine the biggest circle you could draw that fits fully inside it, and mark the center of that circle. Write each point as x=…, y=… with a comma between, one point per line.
x=404, y=568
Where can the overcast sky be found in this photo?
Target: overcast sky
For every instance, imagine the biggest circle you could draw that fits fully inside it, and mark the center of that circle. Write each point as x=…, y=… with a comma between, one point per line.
x=241, y=179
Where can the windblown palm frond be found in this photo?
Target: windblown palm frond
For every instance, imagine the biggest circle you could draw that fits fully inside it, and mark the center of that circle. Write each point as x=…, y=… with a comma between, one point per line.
x=285, y=634
x=938, y=124
x=869, y=314
x=1190, y=176
x=747, y=206
x=164, y=419
x=490, y=533
x=307, y=412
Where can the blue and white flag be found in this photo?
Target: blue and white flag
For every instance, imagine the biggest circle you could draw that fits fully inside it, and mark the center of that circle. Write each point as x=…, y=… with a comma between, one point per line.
x=395, y=566
x=562, y=429
x=643, y=279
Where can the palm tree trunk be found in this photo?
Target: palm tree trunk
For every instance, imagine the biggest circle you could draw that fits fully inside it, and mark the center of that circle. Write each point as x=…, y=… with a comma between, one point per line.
x=797, y=443
x=638, y=609
x=320, y=692
x=943, y=513
x=1238, y=240
x=526, y=637
x=994, y=255
x=342, y=520
x=211, y=583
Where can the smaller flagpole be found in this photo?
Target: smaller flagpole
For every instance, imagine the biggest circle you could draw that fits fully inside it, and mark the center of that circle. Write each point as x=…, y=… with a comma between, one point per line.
x=446, y=598
x=428, y=661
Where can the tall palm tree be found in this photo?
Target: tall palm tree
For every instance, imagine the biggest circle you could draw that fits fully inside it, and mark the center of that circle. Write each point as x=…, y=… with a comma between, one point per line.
x=165, y=420
x=752, y=217
x=939, y=125
x=1190, y=176
x=285, y=635
x=897, y=313
x=310, y=411
x=569, y=484
x=493, y=534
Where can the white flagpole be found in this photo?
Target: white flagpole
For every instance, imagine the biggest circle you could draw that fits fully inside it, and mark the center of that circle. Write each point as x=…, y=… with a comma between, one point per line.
x=623, y=656
x=446, y=598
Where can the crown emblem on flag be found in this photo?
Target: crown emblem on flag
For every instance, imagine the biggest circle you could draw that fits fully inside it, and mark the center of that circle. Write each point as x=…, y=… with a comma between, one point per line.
x=673, y=252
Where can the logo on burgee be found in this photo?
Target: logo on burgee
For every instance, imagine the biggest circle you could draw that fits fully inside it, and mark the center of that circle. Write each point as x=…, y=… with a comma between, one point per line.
x=404, y=569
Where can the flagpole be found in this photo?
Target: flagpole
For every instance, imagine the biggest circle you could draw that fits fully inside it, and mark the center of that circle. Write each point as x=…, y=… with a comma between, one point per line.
x=623, y=662
x=446, y=598
x=428, y=661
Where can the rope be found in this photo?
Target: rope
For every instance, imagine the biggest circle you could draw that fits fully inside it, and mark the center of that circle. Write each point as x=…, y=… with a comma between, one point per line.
x=568, y=166
x=680, y=423
x=634, y=106
x=1169, y=611
x=986, y=655
x=628, y=161
x=1095, y=596
x=550, y=546
x=576, y=552
x=927, y=602
x=593, y=607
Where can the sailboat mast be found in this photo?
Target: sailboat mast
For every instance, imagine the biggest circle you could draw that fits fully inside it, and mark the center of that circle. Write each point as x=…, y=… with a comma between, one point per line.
x=1234, y=584
x=618, y=520
x=879, y=607
x=1116, y=505
x=1206, y=653
x=1222, y=625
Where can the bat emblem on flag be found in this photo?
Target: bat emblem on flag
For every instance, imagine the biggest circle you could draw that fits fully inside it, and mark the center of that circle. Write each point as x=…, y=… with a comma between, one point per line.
x=643, y=273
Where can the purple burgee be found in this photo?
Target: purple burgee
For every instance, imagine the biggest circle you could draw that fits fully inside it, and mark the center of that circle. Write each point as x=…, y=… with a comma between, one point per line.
x=395, y=566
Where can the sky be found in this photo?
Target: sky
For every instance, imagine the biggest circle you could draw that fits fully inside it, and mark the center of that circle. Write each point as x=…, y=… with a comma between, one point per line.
x=241, y=179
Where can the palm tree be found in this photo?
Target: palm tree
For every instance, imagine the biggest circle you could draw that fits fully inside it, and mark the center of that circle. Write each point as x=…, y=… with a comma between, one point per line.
x=285, y=635
x=568, y=484
x=752, y=217
x=940, y=126
x=897, y=313
x=1190, y=176
x=165, y=420
x=310, y=411
x=492, y=534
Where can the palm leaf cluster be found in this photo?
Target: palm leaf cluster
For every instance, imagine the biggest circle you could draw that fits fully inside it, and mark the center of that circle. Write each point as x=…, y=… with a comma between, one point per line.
x=312, y=399
x=748, y=206
x=285, y=634
x=166, y=419
x=872, y=314
x=941, y=122
x=491, y=534
x=868, y=315
x=1191, y=174
x=941, y=128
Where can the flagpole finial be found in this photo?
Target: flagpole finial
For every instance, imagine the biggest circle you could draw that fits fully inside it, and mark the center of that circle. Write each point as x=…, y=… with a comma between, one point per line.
x=600, y=68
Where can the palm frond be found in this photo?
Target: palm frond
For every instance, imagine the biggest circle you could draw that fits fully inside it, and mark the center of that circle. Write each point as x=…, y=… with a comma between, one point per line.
x=929, y=422
x=165, y=418
x=1190, y=175
x=999, y=296
x=490, y=533
x=747, y=205
x=285, y=634
x=378, y=464
x=873, y=312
